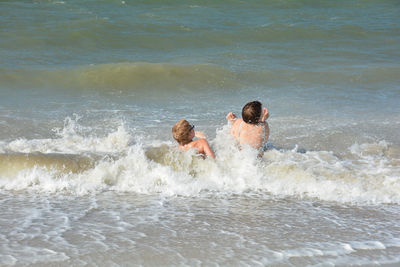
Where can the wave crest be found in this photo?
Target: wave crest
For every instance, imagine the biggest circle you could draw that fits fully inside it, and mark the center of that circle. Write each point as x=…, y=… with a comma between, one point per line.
x=125, y=77
x=368, y=173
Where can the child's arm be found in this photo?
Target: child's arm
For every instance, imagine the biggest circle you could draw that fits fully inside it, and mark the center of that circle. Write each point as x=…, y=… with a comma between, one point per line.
x=231, y=116
x=265, y=115
x=266, y=131
x=207, y=149
x=199, y=134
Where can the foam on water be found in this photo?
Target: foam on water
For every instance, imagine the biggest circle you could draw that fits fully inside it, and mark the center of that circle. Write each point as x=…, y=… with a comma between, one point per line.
x=98, y=191
x=119, y=161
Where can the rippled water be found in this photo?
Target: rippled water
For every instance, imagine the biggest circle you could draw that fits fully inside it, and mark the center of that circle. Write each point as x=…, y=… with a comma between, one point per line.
x=88, y=169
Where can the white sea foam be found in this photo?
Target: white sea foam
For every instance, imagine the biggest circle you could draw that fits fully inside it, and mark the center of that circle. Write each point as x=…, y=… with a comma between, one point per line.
x=367, y=175
x=69, y=140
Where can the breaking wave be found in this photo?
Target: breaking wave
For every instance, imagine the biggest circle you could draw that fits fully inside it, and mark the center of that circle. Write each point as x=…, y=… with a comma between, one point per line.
x=73, y=164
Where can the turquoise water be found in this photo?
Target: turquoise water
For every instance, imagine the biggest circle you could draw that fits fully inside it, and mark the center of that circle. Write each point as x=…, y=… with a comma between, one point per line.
x=89, y=92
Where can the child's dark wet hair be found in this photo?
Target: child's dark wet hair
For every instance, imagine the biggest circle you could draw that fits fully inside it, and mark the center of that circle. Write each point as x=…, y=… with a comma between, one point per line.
x=251, y=112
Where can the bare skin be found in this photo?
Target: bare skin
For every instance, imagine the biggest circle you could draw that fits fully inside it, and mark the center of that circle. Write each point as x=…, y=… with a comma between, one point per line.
x=251, y=134
x=200, y=145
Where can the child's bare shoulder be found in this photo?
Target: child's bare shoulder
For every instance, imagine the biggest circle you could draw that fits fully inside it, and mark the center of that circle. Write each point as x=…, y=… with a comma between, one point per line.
x=237, y=122
x=199, y=142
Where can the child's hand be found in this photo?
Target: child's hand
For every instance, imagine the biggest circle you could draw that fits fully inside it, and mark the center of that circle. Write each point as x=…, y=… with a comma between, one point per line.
x=264, y=115
x=231, y=116
x=199, y=135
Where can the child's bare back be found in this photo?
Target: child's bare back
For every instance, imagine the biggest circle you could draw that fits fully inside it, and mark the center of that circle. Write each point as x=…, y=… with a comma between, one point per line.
x=183, y=132
x=252, y=129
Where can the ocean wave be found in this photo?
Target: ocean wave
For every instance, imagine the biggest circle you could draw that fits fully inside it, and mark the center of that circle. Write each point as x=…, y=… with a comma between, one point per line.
x=166, y=78
x=126, y=77
x=368, y=174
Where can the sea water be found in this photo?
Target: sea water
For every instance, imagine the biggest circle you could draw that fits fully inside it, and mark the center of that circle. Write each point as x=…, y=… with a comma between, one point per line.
x=89, y=172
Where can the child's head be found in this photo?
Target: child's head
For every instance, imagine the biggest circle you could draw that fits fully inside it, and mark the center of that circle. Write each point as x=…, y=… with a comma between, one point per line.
x=251, y=112
x=181, y=132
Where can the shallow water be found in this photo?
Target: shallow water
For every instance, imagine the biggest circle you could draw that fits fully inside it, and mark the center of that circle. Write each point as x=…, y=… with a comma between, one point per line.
x=89, y=93
x=253, y=228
